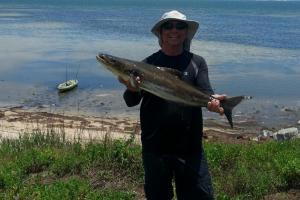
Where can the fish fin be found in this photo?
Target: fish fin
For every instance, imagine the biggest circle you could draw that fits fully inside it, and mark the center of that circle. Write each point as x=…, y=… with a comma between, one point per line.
x=228, y=104
x=175, y=72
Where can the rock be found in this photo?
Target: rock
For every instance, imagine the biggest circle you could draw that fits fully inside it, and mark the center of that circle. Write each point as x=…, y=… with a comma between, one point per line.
x=239, y=137
x=256, y=139
x=279, y=137
x=266, y=133
x=286, y=134
x=299, y=122
x=286, y=109
x=292, y=130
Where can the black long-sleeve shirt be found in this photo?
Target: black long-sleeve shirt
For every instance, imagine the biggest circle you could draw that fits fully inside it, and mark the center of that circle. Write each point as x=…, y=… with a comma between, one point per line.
x=168, y=127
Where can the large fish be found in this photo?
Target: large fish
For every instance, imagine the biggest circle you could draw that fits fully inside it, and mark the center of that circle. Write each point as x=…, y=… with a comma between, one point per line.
x=165, y=83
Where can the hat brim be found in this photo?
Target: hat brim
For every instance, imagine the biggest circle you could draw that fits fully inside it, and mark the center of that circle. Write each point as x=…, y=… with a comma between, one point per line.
x=192, y=27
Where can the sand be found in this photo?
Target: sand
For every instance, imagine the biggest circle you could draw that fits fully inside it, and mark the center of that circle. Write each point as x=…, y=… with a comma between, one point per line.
x=16, y=121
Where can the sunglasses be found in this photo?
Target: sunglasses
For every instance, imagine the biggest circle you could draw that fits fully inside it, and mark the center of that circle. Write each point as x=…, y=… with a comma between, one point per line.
x=178, y=26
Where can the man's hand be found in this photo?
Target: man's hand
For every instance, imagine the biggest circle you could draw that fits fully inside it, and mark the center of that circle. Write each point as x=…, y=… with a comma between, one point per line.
x=132, y=85
x=214, y=104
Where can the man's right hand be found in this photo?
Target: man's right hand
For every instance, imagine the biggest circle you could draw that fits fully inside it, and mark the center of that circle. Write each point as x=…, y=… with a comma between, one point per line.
x=135, y=87
x=214, y=104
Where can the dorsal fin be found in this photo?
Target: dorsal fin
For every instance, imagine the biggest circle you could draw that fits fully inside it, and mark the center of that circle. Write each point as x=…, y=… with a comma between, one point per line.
x=171, y=71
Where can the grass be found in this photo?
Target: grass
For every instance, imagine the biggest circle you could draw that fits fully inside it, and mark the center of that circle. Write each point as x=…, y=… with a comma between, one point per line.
x=254, y=170
x=45, y=166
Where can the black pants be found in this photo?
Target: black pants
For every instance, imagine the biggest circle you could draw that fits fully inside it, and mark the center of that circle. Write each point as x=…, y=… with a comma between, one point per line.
x=192, y=178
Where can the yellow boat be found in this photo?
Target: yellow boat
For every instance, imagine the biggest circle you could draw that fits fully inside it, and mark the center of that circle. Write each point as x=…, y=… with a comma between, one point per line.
x=68, y=85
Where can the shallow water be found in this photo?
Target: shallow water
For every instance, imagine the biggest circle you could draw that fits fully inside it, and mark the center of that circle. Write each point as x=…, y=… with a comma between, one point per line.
x=252, y=48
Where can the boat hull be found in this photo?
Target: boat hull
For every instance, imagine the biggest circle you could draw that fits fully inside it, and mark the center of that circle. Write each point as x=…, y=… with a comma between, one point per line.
x=68, y=85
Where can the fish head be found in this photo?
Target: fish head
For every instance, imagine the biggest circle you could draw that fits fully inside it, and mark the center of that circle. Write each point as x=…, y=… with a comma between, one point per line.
x=117, y=66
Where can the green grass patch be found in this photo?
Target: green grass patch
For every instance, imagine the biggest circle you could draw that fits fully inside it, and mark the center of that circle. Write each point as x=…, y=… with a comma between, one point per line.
x=254, y=170
x=45, y=166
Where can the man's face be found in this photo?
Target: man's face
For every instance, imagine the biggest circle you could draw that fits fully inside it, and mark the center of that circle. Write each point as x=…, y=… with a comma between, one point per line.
x=173, y=33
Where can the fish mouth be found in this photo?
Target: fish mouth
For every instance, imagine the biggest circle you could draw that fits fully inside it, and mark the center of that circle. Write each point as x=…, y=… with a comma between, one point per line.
x=108, y=62
x=103, y=58
x=106, y=59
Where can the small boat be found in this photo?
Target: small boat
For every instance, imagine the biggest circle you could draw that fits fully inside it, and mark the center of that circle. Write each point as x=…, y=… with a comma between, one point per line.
x=68, y=85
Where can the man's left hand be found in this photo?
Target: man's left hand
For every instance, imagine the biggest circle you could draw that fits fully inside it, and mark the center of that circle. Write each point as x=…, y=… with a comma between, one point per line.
x=214, y=104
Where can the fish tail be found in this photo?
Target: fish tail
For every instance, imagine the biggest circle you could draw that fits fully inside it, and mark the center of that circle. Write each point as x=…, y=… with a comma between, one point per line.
x=228, y=104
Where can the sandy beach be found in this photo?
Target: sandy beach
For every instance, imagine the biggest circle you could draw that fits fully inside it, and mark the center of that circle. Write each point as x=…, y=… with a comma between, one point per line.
x=15, y=121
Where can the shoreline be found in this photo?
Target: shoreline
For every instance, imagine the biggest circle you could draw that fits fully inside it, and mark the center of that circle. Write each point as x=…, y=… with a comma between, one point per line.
x=16, y=121
x=268, y=112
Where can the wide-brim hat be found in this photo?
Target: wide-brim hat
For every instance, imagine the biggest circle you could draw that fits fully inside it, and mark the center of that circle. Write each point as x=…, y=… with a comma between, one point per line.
x=178, y=16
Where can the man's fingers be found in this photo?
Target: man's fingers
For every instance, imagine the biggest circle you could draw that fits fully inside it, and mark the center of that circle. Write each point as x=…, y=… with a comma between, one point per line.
x=214, y=106
x=216, y=103
x=220, y=96
x=138, y=81
x=209, y=105
x=133, y=83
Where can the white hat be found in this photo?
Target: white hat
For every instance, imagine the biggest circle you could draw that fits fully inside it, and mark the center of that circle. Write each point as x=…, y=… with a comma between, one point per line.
x=175, y=15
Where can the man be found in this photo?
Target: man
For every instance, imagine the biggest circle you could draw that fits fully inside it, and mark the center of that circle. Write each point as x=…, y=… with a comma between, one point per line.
x=172, y=133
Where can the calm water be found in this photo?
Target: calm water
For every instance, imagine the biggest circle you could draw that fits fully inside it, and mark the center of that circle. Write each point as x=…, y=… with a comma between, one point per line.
x=251, y=47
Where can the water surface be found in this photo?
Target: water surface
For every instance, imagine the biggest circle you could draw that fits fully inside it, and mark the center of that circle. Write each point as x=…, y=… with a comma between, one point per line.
x=252, y=48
